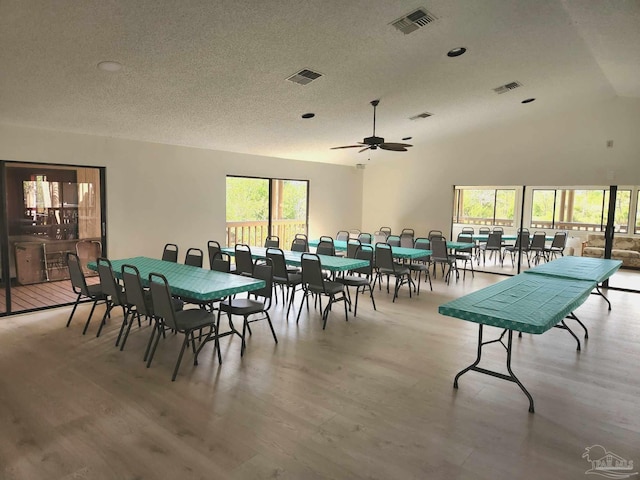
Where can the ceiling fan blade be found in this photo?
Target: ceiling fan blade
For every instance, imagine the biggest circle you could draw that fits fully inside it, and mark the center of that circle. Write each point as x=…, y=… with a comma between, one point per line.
x=405, y=145
x=347, y=146
x=365, y=148
x=395, y=147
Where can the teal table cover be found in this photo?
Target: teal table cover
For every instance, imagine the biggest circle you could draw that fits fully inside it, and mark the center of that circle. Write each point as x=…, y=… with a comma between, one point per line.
x=398, y=252
x=505, y=238
x=524, y=303
x=333, y=264
x=187, y=281
x=580, y=268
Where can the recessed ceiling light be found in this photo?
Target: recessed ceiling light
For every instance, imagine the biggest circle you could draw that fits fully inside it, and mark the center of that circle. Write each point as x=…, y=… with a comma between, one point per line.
x=456, y=52
x=308, y=115
x=110, y=66
x=528, y=100
x=407, y=138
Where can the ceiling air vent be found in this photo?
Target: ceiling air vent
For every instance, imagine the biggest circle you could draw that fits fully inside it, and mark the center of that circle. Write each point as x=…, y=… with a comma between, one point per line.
x=303, y=77
x=421, y=115
x=413, y=21
x=507, y=87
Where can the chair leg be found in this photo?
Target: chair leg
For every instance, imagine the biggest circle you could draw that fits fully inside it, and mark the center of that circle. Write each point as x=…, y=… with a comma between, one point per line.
x=124, y=324
x=86, y=325
x=273, y=332
x=75, y=305
x=156, y=339
x=184, y=345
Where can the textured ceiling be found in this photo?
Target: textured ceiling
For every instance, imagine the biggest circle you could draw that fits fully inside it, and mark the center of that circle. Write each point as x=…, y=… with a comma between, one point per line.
x=211, y=74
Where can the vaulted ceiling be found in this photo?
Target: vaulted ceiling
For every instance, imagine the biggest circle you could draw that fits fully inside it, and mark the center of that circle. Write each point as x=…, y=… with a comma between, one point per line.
x=213, y=74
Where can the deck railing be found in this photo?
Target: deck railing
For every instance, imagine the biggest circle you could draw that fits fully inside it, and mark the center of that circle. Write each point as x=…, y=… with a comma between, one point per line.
x=254, y=233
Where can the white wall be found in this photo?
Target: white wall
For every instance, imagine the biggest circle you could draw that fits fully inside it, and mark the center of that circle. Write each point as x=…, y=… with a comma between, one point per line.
x=162, y=193
x=569, y=148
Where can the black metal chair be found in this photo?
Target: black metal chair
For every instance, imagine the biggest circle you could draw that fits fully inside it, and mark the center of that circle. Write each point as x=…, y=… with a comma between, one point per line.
x=520, y=246
x=213, y=247
x=557, y=246
x=537, y=247
x=352, y=247
x=365, y=238
x=393, y=241
x=284, y=277
x=170, y=253
x=493, y=245
x=385, y=230
x=246, y=307
x=314, y=283
x=194, y=257
x=421, y=265
x=244, y=260
x=272, y=241
x=300, y=245
x=326, y=247
x=385, y=265
x=342, y=236
x=185, y=321
x=440, y=255
x=221, y=262
x=80, y=288
x=407, y=238
x=465, y=254
x=138, y=304
x=115, y=294
x=360, y=278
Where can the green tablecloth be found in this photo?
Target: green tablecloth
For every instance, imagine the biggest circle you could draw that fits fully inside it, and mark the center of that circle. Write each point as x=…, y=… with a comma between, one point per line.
x=398, y=252
x=580, y=268
x=333, y=264
x=187, y=281
x=524, y=303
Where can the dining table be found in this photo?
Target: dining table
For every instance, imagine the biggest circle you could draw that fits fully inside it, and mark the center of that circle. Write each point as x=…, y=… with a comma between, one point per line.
x=401, y=253
x=522, y=303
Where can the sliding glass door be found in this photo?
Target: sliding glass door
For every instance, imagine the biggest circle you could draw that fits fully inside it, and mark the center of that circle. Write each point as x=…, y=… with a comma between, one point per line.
x=261, y=207
x=49, y=211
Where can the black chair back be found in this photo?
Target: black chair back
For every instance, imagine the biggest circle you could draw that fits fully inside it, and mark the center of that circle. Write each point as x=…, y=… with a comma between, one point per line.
x=299, y=245
x=384, y=256
x=465, y=238
x=494, y=242
x=194, y=257
x=385, y=230
x=484, y=230
x=406, y=240
x=78, y=282
x=161, y=299
x=312, y=272
x=264, y=271
x=439, y=251
x=244, y=261
x=342, y=235
x=352, y=247
x=559, y=240
x=538, y=241
x=278, y=262
x=213, y=247
x=422, y=243
x=435, y=233
x=135, y=292
x=365, y=252
x=272, y=241
x=221, y=262
x=326, y=248
x=170, y=253
x=108, y=281
x=468, y=230
x=393, y=240
x=365, y=238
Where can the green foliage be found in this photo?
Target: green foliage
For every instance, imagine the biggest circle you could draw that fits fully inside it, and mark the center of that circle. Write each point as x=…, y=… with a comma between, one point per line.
x=247, y=199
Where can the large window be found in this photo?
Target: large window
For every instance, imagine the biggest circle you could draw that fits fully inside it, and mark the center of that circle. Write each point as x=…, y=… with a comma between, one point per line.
x=259, y=207
x=584, y=209
x=484, y=206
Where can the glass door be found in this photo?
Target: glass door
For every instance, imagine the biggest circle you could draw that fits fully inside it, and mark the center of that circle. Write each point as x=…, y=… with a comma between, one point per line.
x=260, y=207
x=51, y=210
x=625, y=237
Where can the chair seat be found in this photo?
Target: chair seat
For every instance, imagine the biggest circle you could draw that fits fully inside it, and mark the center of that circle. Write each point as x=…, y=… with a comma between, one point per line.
x=399, y=270
x=178, y=304
x=193, y=319
x=95, y=290
x=330, y=288
x=242, y=306
x=293, y=279
x=353, y=281
x=419, y=267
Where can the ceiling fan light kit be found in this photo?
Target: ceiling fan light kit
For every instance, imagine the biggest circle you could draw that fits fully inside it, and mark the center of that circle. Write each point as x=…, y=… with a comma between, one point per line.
x=373, y=142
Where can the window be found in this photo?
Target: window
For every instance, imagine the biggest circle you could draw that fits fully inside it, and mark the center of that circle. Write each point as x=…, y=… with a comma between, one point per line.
x=584, y=209
x=484, y=206
x=259, y=207
x=637, y=228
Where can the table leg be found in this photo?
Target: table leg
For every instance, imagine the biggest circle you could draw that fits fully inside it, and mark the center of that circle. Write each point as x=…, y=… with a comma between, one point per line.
x=511, y=377
x=599, y=292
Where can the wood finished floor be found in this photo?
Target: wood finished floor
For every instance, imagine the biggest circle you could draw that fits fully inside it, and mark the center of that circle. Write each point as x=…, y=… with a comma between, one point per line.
x=367, y=399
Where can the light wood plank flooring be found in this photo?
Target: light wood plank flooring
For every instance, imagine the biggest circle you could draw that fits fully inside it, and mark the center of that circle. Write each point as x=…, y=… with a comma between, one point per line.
x=367, y=399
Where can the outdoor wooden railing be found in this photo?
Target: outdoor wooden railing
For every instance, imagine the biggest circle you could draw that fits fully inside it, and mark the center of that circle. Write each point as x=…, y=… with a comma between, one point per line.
x=255, y=232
